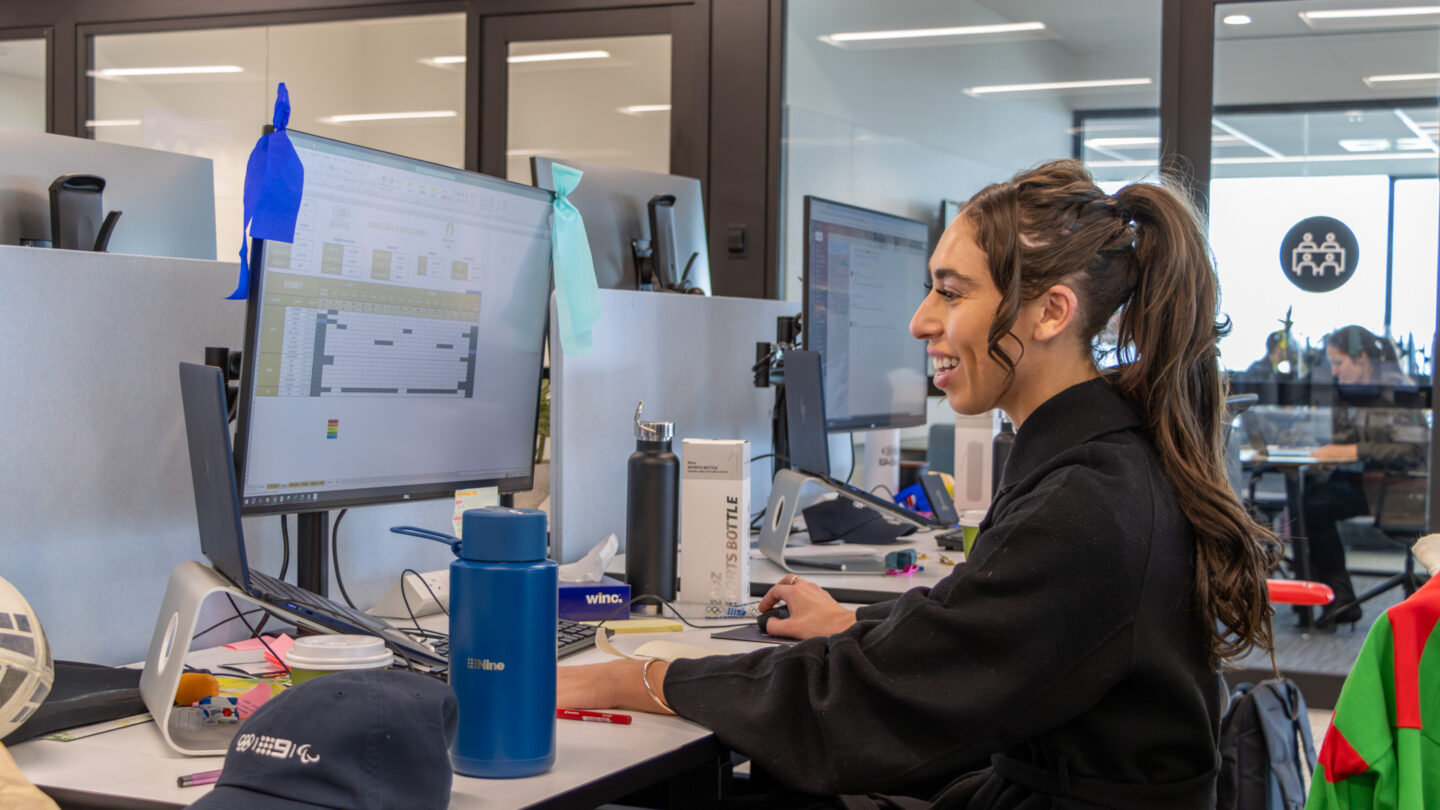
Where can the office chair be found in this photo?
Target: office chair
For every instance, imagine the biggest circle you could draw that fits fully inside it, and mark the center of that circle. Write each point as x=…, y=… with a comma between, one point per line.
x=1400, y=518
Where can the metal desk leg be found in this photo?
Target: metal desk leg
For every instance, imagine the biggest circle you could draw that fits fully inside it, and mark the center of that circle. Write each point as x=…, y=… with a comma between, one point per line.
x=1300, y=537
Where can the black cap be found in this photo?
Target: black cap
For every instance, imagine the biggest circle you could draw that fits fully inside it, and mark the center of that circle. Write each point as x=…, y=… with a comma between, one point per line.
x=357, y=739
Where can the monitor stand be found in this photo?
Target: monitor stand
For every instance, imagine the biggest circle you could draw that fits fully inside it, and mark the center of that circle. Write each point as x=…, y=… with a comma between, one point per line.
x=312, y=562
x=780, y=514
x=191, y=583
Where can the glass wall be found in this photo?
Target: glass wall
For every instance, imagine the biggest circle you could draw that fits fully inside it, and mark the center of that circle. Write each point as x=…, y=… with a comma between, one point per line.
x=902, y=105
x=396, y=84
x=22, y=84
x=591, y=100
x=1323, y=220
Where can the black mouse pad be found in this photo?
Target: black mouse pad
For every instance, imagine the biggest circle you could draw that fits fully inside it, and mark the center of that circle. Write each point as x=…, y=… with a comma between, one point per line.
x=751, y=632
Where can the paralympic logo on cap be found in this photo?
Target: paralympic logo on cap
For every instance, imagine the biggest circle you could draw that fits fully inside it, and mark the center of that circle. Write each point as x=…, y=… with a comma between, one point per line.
x=277, y=747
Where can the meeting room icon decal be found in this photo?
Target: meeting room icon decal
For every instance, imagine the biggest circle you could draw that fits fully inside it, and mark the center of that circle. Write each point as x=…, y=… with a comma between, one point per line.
x=1319, y=254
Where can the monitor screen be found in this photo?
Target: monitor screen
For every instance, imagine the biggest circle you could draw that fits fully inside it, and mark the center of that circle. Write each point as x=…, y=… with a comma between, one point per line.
x=865, y=274
x=394, y=349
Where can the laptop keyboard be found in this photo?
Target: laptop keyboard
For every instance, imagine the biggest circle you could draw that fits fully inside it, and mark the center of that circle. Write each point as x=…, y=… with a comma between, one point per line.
x=570, y=638
x=284, y=590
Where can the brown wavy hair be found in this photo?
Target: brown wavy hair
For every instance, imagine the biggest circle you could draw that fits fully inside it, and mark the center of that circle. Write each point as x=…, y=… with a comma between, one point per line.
x=1141, y=252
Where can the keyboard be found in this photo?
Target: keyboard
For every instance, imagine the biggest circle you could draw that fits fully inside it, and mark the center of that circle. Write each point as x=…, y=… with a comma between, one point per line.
x=951, y=540
x=570, y=638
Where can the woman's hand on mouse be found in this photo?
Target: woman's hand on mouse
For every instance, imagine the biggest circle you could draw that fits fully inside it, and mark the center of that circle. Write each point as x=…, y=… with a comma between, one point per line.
x=813, y=611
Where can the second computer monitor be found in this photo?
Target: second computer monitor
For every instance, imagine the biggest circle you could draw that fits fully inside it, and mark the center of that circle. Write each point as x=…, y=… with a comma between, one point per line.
x=614, y=202
x=394, y=349
x=865, y=273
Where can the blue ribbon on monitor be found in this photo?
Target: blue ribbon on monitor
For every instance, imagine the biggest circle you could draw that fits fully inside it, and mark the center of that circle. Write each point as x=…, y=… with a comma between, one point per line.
x=274, y=178
x=577, y=294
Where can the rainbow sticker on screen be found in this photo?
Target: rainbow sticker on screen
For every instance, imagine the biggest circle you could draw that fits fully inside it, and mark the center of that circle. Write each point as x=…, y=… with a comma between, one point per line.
x=332, y=429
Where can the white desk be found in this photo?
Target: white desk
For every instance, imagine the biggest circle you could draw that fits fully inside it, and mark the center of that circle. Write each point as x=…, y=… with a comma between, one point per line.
x=594, y=763
x=864, y=589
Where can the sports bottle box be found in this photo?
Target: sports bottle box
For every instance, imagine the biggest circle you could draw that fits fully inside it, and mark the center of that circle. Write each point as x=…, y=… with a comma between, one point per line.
x=715, y=522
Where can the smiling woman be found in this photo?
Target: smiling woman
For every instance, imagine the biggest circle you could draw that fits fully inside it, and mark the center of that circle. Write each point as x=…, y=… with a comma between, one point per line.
x=1075, y=655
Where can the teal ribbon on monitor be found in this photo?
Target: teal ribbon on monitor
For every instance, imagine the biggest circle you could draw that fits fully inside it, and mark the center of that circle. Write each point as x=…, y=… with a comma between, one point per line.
x=577, y=294
x=274, y=178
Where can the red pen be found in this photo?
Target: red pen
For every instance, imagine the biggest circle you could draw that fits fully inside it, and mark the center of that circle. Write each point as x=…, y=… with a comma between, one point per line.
x=593, y=717
x=202, y=778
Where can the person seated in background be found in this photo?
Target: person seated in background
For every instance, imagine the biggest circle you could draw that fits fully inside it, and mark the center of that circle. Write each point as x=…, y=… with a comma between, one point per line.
x=1279, y=363
x=1369, y=433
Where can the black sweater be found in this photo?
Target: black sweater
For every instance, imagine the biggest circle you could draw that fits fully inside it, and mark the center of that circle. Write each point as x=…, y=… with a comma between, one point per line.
x=1067, y=642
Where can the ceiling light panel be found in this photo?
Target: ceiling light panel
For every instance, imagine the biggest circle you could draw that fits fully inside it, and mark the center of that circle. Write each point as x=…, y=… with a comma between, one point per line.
x=185, y=70
x=358, y=118
x=566, y=56
x=1055, y=87
x=952, y=35
x=1357, y=19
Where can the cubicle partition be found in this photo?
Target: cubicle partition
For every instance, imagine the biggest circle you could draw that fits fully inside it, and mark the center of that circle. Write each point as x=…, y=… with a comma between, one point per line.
x=96, y=504
x=95, y=485
x=166, y=199
x=689, y=358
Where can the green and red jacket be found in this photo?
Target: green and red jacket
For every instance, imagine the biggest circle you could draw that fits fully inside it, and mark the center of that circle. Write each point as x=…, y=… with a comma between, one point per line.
x=1382, y=749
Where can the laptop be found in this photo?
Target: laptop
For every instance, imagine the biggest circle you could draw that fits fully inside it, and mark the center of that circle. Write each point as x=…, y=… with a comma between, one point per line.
x=809, y=446
x=1284, y=432
x=217, y=511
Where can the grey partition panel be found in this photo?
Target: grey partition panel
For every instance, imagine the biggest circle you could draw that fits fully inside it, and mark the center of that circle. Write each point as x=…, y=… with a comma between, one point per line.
x=95, y=489
x=168, y=199
x=689, y=358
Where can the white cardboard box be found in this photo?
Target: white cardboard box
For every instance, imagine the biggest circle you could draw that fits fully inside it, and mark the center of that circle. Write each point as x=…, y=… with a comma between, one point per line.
x=715, y=522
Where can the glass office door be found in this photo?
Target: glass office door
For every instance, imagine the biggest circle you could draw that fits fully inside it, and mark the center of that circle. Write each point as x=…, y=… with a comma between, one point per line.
x=619, y=87
x=1323, y=221
x=22, y=81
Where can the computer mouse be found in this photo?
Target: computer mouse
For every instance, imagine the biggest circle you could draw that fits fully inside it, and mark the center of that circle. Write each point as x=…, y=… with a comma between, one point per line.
x=778, y=612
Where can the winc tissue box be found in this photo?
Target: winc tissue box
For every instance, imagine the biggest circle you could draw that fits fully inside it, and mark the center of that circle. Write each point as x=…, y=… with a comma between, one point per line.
x=594, y=601
x=715, y=522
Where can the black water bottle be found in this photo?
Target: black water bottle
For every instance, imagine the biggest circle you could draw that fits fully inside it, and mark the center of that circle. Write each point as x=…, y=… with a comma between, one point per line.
x=652, y=513
x=999, y=451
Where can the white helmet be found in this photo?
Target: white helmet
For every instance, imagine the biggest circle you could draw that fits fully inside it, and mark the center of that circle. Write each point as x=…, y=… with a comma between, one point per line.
x=26, y=668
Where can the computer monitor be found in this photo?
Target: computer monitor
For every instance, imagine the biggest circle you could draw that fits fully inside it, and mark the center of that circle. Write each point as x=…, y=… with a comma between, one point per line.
x=865, y=273
x=615, y=204
x=393, y=350
x=949, y=210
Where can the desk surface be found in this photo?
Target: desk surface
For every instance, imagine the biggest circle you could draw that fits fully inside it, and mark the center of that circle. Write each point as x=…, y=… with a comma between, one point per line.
x=594, y=763
x=862, y=589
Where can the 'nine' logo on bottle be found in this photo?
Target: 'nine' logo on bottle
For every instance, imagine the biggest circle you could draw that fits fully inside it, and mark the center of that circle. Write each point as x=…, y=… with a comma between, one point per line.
x=485, y=664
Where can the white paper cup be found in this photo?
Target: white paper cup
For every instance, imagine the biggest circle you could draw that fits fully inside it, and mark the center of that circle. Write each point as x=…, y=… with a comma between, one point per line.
x=313, y=656
x=970, y=526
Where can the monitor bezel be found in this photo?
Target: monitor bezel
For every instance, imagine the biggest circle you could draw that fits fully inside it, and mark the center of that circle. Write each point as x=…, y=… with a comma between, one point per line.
x=867, y=421
x=338, y=499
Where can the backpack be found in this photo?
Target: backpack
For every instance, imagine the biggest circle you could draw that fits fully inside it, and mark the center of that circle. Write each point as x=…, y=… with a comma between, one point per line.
x=1263, y=737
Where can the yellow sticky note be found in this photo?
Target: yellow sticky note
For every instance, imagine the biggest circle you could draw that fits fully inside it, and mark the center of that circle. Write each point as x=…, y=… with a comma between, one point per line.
x=642, y=626
x=473, y=499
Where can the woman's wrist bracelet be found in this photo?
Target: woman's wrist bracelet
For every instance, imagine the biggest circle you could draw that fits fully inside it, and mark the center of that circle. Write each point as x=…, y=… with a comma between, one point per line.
x=645, y=679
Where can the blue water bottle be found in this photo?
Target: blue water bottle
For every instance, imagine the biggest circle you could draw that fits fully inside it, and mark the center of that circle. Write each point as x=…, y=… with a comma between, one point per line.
x=503, y=613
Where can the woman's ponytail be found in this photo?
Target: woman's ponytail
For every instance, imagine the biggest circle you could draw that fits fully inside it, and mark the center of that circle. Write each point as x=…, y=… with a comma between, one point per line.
x=1169, y=335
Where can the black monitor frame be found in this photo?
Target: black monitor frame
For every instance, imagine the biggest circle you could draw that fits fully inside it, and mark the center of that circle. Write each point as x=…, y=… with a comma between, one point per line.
x=866, y=421
x=313, y=515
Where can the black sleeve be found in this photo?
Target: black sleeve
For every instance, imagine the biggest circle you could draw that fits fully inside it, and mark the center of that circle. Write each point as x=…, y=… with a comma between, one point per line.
x=1033, y=630
x=879, y=610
